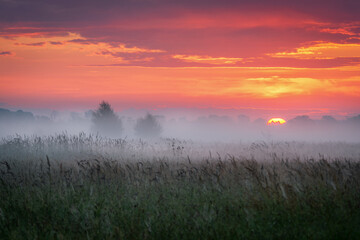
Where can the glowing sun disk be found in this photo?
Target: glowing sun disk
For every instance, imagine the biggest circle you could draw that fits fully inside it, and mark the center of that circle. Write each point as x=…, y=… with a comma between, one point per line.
x=276, y=121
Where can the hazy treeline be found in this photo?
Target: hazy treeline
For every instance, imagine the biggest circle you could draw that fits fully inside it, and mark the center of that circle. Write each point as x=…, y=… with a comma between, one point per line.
x=204, y=128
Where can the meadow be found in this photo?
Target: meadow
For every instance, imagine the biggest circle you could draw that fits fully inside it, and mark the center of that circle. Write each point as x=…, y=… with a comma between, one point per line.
x=88, y=187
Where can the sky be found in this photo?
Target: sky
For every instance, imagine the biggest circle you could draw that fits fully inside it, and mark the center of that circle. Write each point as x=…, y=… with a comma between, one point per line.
x=283, y=56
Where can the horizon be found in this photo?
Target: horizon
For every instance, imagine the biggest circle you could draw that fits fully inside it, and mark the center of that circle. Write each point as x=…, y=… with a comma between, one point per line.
x=185, y=113
x=195, y=127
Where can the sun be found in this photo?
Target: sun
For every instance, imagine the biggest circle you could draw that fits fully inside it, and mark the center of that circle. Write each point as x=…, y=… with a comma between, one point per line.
x=276, y=121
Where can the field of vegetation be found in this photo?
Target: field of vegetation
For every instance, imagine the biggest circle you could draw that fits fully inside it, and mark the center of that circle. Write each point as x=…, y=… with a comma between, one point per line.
x=88, y=187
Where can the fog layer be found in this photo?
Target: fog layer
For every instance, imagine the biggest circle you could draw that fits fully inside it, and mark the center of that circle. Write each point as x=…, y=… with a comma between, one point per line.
x=209, y=128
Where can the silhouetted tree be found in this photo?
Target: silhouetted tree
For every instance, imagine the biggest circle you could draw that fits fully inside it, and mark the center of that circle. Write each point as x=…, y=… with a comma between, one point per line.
x=328, y=119
x=302, y=120
x=355, y=120
x=260, y=122
x=105, y=121
x=243, y=119
x=19, y=115
x=148, y=127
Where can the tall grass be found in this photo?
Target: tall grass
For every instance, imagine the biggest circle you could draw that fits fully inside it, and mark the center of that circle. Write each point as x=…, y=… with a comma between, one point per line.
x=88, y=187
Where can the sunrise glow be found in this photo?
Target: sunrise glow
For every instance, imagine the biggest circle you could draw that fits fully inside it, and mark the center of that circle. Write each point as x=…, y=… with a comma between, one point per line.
x=279, y=59
x=276, y=121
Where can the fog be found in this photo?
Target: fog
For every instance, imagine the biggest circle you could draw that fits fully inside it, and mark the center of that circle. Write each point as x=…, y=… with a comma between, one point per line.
x=204, y=128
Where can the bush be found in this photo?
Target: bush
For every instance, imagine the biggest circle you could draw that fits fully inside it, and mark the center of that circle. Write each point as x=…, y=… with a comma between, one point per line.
x=148, y=127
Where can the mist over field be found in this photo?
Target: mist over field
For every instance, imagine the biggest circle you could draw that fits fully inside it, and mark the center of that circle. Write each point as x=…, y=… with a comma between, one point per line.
x=140, y=174
x=205, y=128
x=105, y=175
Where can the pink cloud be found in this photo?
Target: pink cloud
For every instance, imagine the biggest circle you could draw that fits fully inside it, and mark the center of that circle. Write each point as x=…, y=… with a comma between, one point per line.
x=56, y=43
x=36, y=44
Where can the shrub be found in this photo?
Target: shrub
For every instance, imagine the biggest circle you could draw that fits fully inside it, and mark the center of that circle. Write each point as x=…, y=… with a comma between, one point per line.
x=148, y=127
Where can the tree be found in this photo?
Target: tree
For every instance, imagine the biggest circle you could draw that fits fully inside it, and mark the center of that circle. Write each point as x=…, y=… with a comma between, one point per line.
x=148, y=127
x=105, y=121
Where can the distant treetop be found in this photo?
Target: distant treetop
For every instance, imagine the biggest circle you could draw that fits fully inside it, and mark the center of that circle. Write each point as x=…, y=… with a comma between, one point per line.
x=105, y=121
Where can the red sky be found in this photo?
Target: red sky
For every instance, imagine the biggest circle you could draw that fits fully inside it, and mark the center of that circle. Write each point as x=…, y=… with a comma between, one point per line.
x=292, y=57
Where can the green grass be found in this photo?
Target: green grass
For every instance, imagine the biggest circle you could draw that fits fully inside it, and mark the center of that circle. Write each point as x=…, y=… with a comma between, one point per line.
x=179, y=212
x=103, y=204
x=231, y=198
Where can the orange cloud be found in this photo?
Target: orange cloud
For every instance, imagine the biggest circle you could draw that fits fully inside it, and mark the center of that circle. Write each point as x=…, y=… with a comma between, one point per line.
x=322, y=51
x=208, y=59
x=275, y=86
x=71, y=49
x=344, y=31
x=347, y=29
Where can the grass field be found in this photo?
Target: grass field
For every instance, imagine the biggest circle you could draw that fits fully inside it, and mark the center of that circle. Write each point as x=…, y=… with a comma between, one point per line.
x=87, y=187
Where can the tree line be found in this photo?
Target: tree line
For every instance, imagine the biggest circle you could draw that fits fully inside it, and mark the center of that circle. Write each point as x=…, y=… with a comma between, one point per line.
x=106, y=122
